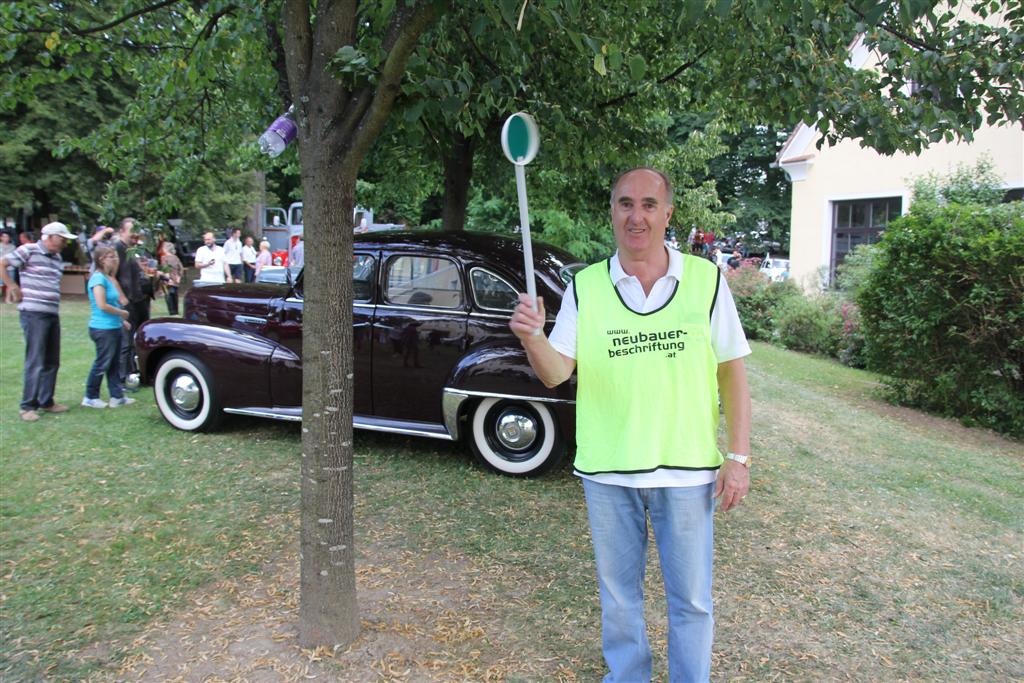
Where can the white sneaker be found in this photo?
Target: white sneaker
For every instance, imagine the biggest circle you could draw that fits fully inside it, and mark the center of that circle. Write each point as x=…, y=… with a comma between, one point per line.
x=115, y=402
x=94, y=403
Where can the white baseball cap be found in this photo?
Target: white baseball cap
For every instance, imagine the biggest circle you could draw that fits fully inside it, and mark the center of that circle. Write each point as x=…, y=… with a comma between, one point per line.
x=58, y=229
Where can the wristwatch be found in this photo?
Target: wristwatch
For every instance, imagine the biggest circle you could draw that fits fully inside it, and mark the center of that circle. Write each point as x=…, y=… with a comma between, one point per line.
x=741, y=459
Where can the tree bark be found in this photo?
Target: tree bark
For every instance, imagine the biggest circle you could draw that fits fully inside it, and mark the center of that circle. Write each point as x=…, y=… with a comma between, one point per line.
x=328, y=611
x=458, y=171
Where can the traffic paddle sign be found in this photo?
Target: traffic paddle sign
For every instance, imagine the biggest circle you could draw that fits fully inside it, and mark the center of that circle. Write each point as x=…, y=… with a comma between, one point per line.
x=520, y=140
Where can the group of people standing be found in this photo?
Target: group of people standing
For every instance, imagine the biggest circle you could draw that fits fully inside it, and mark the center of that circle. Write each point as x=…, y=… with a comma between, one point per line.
x=32, y=276
x=236, y=261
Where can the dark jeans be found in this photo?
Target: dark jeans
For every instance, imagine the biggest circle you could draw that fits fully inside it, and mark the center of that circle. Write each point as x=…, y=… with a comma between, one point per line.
x=42, y=358
x=171, y=297
x=108, y=347
x=138, y=313
x=236, y=271
x=250, y=273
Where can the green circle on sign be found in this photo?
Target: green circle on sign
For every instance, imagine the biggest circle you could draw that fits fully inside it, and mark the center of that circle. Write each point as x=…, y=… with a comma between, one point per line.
x=520, y=138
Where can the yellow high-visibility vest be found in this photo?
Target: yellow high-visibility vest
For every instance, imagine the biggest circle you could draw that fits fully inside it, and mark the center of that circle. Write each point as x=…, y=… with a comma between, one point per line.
x=647, y=383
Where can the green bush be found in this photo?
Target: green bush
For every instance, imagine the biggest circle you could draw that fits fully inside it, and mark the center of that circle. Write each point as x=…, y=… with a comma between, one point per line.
x=809, y=323
x=758, y=300
x=943, y=312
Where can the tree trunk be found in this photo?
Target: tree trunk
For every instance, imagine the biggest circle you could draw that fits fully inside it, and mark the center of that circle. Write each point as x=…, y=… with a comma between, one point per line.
x=328, y=612
x=458, y=171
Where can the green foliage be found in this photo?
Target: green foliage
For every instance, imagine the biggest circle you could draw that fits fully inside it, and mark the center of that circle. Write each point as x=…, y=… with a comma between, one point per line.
x=809, y=323
x=37, y=168
x=759, y=300
x=749, y=188
x=853, y=272
x=587, y=240
x=978, y=184
x=943, y=312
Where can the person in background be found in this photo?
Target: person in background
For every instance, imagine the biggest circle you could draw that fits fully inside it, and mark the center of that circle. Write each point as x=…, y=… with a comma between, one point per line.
x=40, y=269
x=263, y=259
x=6, y=247
x=171, y=265
x=298, y=256
x=129, y=279
x=709, y=241
x=233, y=255
x=249, y=259
x=106, y=326
x=213, y=269
x=735, y=260
x=104, y=236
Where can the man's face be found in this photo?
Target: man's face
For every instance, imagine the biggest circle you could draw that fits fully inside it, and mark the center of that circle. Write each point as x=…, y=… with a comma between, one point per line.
x=248, y=241
x=208, y=239
x=640, y=212
x=126, y=232
x=54, y=243
x=235, y=234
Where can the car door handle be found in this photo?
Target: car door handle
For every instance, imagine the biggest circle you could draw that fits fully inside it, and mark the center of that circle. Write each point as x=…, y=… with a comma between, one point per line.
x=250, y=320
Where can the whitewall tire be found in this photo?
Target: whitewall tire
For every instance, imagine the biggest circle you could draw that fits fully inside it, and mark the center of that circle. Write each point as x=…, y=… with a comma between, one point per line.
x=185, y=393
x=515, y=437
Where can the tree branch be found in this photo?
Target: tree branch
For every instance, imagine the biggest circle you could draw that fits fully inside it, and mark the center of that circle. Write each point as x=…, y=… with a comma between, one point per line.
x=664, y=79
x=335, y=28
x=909, y=40
x=401, y=39
x=277, y=59
x=110, y=24
x=298, y=50
x=479, y=52
x=208, y=28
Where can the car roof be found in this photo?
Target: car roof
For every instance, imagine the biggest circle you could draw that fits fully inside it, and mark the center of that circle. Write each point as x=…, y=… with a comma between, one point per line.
x=500, y=248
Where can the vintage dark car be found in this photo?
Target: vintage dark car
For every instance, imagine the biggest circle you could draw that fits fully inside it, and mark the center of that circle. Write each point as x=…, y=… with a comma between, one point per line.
x=434, y=356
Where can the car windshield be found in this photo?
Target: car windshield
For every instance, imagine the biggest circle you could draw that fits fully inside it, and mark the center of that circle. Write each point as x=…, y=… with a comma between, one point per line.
x=567, y=272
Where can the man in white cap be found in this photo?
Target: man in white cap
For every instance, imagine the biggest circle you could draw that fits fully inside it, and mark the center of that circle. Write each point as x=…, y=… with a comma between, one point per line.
x=40, y=270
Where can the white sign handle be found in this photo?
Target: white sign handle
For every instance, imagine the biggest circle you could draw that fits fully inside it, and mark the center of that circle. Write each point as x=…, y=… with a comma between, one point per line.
x=524, y=226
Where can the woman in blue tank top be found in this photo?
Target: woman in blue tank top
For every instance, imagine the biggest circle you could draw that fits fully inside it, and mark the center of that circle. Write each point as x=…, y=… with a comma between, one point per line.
x=105, y=324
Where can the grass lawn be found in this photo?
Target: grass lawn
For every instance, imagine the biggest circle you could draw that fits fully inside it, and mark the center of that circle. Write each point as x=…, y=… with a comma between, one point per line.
x=877, y=543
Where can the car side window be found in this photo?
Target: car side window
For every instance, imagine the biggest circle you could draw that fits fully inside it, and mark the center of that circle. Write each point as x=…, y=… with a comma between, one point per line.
x=424, y=281
x=492, y=292
x=362, y=277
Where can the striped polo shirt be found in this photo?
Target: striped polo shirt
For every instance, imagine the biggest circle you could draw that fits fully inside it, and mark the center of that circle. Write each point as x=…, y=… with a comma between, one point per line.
x=39, y=272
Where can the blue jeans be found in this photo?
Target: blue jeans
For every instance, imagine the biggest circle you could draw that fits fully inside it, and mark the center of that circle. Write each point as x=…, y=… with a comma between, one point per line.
x=683, y=530
x=108, y=347
x=42, y=358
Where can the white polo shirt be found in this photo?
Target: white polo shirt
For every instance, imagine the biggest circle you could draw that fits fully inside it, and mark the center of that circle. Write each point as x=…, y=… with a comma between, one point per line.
x=233, y=252
x=727, y=340
x=215, y=271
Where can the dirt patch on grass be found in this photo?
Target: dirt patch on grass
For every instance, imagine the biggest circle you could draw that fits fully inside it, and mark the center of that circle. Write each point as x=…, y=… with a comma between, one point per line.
x=425, y=617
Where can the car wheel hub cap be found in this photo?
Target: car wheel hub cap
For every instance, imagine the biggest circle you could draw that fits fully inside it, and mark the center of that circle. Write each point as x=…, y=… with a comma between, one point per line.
x=185, y=393
x=516, y=431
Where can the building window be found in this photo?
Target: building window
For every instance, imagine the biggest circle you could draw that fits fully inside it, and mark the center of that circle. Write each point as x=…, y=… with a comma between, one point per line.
x=860, y=222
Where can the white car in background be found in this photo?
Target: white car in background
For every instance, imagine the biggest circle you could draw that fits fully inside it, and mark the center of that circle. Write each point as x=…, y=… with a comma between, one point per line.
x=777, y=269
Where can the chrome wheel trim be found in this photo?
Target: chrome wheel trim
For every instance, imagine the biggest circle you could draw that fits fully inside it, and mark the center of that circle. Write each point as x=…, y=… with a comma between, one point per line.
x=185, y=393
x=515, y=430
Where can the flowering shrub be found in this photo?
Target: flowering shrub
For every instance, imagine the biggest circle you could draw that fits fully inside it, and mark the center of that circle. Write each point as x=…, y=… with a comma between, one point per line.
x=758, y=300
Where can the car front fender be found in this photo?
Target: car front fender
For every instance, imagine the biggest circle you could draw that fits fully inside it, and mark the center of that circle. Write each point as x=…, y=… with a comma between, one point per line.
x=502, y=370
x=239, y=361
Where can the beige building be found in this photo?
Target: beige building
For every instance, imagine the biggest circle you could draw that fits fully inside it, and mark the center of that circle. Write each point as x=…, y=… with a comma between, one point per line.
x=844, y=195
